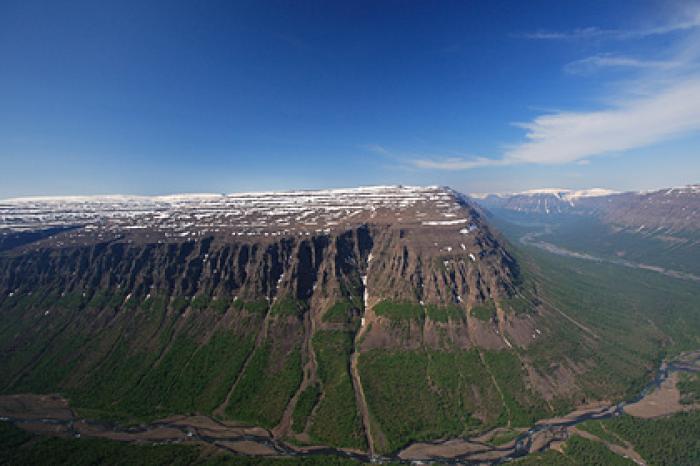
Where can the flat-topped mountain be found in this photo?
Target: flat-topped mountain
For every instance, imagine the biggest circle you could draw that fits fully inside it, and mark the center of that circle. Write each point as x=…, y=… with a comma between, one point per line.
x=243, y=214
x=429, y=244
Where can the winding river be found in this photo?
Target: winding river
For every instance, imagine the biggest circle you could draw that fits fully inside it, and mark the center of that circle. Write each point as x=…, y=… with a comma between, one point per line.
x=530, y=239
x=255, y=440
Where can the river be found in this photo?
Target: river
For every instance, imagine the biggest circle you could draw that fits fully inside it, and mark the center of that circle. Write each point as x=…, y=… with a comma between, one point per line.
x=54, y=416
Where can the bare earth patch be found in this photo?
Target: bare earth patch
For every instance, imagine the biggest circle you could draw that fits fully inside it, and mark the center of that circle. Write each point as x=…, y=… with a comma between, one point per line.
x=448, y=449
x=35, y=407
x=213, y=428
x=247, y=447
x=596, y=408
x=663, y=401
x=157, y=434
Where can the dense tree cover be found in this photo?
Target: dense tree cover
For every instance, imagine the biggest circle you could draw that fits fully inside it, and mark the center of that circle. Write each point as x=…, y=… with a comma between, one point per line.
x=586, y=452
x=191, y=377
x=673, y=440
x=547, y=458
x=600, y=430
x=337, y=420
x=667, y=441
x=421, y=395
x=266, y=386
x=689, y=386
x=631, y=320
x=523, y=406
x=146, y=364
x=577, y=451
x=305, y=404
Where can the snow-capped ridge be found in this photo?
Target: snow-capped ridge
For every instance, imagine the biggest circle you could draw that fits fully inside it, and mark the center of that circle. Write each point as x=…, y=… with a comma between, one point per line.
x=271, y=213
x=560, y=193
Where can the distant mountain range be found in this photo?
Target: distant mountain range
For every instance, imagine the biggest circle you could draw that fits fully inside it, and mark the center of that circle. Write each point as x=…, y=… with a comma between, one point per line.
x=671, y=209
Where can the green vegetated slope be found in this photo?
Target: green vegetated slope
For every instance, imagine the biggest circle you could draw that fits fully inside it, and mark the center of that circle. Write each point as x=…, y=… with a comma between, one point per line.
x=422, y=395
x=305, y=405
x=633, y=315
x=343, y=311
x=426, y=395
x=337, y=420
x=672, y=440
x=523, y=407
x=274, y=371
x=18, y=447
x=126, y=359
x=266, y=386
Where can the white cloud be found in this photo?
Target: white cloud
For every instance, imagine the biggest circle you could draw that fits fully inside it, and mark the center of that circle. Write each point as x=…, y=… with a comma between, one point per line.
x=566, y=137
x=580, y=33
x=455, y=163
x=376, y=148
x=691, y=20
x=589, y=65
x=571, y=136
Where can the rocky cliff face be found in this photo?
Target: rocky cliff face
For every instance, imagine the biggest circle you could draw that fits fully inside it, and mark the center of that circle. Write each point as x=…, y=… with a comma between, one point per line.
x=416, y=246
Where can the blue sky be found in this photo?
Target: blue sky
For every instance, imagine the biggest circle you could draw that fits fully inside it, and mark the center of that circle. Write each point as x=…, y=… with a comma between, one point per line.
x=220, y=96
